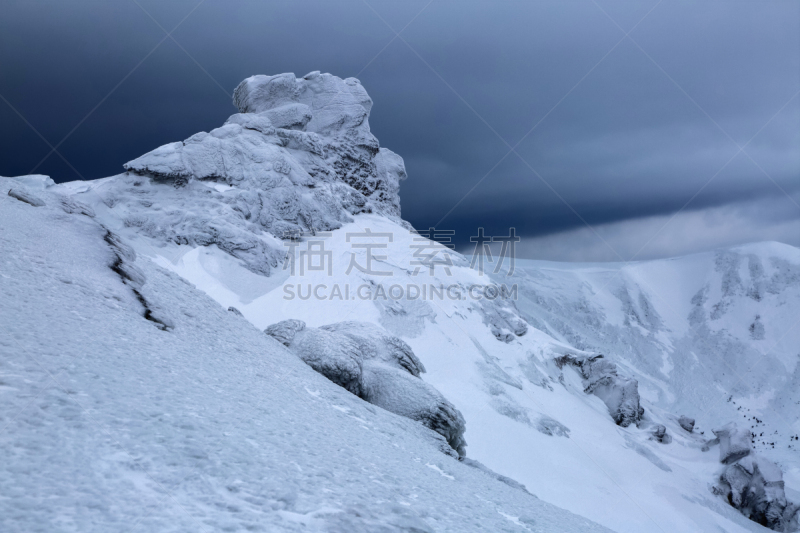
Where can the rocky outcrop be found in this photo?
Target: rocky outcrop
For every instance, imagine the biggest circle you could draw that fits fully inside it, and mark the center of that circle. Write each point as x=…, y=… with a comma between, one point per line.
x=375, y=366
x=734, y=442
x=601, y=378
x=755, y=487
x=752, y=484
x=24, y=195
x=298, y=159
x=686, y=423
x=123, y=263
x=72, y=206
x=501, y=315
x=660, y=434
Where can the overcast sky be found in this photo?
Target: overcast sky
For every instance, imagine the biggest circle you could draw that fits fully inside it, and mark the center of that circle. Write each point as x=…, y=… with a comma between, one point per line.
x=682, y=136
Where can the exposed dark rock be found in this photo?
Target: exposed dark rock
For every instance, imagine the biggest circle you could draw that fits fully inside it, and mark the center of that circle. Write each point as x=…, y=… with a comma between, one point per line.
x=131, y=275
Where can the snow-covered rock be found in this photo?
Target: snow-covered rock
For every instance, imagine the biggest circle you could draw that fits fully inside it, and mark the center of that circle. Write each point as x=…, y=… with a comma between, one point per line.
x=36, y=182
x=686, y=423
x=734, y=442
x=24, y=195
x=297, y=160
x=375, y=343
x=619, y=393
x=755, y=487
x=660, y=434
x=375, y=366
x=71, y=205
x=503, y=318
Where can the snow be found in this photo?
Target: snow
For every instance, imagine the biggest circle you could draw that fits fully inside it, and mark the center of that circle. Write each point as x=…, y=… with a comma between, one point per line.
x=111, y=423
x=619, y=477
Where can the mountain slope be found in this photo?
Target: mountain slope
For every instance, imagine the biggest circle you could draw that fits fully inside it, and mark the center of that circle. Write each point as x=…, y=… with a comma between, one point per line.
x=713, y=335
x=112, y=423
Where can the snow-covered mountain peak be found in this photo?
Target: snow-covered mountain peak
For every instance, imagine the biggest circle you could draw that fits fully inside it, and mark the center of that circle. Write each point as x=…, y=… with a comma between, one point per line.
x=298, y=159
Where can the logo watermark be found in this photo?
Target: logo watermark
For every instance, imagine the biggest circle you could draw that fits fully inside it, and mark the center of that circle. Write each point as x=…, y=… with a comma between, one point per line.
x=431, y=253
x=408, y=291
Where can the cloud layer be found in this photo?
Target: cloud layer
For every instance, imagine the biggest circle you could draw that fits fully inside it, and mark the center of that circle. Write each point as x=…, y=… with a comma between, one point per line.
x=607, y=130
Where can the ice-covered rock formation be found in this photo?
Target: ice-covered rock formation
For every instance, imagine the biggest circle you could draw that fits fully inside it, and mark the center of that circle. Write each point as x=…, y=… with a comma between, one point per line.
x=503, y=318
x=600, y=377
x=24, y=195
x=734, y=442
x=686, y=423
x=375, y=366
x=754, y=486
x=297, y=159
x=750, y=483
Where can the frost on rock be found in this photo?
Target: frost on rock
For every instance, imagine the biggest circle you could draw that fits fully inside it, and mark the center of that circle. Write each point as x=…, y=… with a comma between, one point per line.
x=499, y=477
x=552, y=427
x=296, y=160
x=375, y=366
x=755, y=487
x=734, y=442
x=375, y=343
x=24, y=195
x=502, y=317
x=72, y=206
x=686, y=423
x=660, y=434
x=600, y=377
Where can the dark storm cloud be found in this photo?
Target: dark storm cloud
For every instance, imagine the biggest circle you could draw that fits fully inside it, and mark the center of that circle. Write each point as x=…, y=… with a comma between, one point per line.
x=637, y=138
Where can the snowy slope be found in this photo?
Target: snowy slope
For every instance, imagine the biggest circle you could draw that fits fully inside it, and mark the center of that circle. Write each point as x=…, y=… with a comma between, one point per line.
x=714, y=335
x=521, y=421
x=112, y=424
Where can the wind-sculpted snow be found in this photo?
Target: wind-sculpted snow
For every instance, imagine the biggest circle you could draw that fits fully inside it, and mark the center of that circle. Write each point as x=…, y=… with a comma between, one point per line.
x=375, y=366
x=601, y=378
